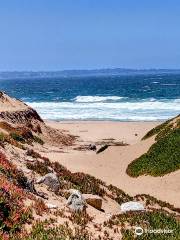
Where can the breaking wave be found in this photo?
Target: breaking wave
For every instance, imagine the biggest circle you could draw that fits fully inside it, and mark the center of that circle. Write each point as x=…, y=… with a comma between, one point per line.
x=95, y=108
x=87, y=99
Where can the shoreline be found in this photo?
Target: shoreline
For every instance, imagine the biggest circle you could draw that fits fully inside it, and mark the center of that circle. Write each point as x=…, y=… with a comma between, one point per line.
x=105, y=120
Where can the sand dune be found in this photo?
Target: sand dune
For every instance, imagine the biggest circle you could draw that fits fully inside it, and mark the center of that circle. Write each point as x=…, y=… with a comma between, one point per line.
x=111, y=164
x=11, y=104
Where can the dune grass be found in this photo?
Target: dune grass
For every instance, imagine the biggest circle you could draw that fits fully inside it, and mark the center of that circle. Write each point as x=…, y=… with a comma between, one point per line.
x=147, y=221
x=18, y=136
x=163, y=128
x=163, y=157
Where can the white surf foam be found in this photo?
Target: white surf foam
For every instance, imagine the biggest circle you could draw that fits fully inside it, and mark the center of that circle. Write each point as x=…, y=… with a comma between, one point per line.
x=86, y=99
x=140, y=111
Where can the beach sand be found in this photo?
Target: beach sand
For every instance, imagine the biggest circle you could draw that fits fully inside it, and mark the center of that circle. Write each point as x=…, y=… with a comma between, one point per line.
x=110, y=165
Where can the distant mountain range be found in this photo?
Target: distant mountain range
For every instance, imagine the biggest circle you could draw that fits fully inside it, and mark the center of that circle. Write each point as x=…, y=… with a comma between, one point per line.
x=79, y=73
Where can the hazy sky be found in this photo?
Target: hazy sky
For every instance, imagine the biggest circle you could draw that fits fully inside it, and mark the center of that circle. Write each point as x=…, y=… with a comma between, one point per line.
x=85, y=34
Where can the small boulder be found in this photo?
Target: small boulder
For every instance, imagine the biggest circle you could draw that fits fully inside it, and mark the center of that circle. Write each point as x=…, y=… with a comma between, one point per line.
x=51, y=180
x=30, y=159
x=51, y=206
x=25, y=170
x=93, y=200
x=92, y=147
x=132, y=206
x=76, y=201
x=30, y=186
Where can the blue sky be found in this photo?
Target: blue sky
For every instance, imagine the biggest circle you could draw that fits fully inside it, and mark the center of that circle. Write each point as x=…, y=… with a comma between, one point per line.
x=87, y=34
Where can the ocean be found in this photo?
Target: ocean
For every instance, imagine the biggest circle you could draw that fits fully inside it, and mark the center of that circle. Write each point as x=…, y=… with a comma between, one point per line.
x=146, y=97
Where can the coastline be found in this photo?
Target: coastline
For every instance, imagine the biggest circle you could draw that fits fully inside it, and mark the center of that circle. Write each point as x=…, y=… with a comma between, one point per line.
x=110, y=166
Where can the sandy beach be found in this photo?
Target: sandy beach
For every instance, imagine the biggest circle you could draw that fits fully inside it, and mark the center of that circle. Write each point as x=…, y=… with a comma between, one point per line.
x=110, y=165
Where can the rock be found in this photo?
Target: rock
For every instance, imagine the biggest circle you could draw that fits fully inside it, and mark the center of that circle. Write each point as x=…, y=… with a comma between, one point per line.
x=93, y=200
x=101, y=149
x=132, y=206
x=76, y=201
x=22, y=169
x=92, y=147
x=27, y=171
x=108, y=216
x=30, y=159
x=51, y=206
x=51, y=180
x=31, y=188
x=51, y=170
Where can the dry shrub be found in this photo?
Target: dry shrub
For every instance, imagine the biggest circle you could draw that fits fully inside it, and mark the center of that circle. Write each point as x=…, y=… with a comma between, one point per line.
x=38, y=167
x=80, y=218
x=40, y=207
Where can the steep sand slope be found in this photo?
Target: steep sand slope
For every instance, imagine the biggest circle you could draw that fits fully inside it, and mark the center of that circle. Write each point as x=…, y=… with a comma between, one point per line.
x=15, y=111
x=18, y=113
x=11, y=104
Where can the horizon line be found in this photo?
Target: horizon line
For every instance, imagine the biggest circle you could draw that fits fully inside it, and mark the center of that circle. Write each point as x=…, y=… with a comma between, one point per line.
x=94, y=69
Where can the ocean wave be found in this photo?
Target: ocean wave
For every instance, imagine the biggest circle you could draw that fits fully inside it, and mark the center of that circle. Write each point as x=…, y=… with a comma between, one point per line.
x=140, y=111
x=87, y=99
x=141, y=105
x=169, y=84
x=152, y=99
x=24, y=99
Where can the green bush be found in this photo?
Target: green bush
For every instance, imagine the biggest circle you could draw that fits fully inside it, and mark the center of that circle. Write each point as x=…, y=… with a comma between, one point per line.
x=2, y=137
x=38, y=167
x=38, y=140
x=17, y=137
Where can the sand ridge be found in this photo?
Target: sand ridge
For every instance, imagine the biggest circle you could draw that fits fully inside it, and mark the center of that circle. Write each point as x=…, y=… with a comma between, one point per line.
x=9, y=104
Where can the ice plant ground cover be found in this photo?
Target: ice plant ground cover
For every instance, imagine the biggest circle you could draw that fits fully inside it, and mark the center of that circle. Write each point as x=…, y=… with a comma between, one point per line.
x=13, y=212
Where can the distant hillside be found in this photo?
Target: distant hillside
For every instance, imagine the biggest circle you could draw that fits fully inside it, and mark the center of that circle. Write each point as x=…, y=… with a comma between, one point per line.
x=79, y=73
x=164, y=156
